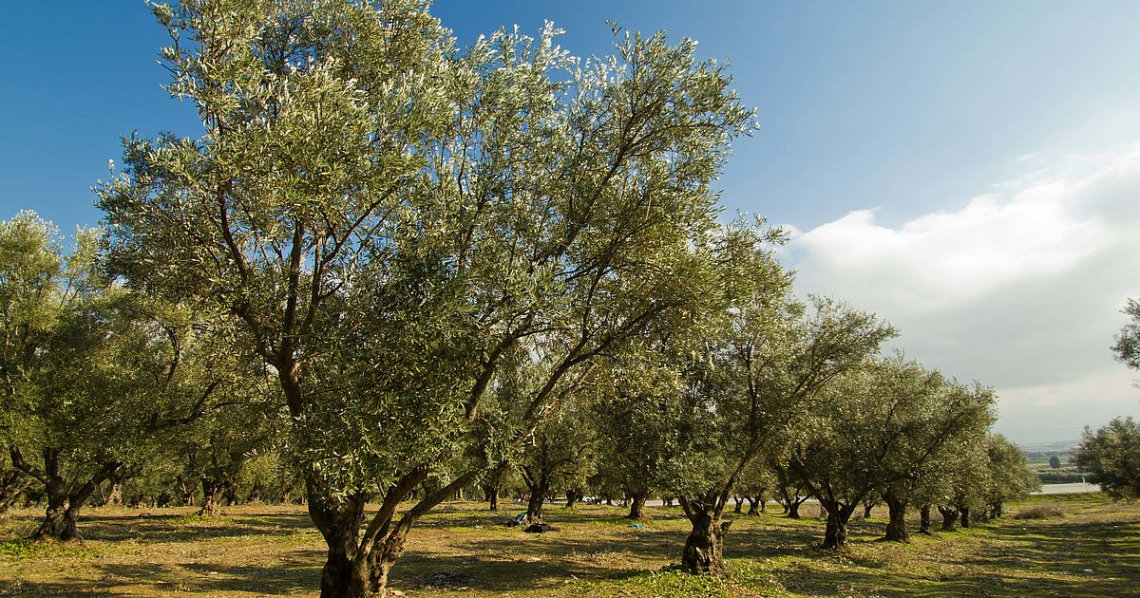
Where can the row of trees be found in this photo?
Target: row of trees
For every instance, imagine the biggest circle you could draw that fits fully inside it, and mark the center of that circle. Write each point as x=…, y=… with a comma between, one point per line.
x=404, y=269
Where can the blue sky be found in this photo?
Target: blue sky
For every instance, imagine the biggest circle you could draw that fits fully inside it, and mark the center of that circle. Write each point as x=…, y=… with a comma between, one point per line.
x=888, y=130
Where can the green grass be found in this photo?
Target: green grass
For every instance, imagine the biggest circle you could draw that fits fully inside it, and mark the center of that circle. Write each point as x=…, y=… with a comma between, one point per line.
x=463, y=550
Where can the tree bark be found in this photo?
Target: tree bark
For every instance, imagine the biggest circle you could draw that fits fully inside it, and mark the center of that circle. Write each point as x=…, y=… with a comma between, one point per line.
x=339, y=524
x=64, y=499
x=867, y=511
x=491, y=491
x=636, y=504
x=534, y=505
x=965, y=516
x=793, y=508
x=835, y=535
x=896, y=526
x=571, y=498
x=211, y=489
x=739, y=504
x=949, y=516
x=754, y=506
x=924, y=519
x=11, y=486
x=704, y=548
x=55, y=523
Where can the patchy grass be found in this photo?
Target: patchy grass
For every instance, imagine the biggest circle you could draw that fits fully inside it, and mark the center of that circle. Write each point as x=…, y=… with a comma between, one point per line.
x=463, y=550
x=1041, y=511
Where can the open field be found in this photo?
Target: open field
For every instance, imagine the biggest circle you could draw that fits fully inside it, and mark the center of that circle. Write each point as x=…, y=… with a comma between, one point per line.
x=1092, y=549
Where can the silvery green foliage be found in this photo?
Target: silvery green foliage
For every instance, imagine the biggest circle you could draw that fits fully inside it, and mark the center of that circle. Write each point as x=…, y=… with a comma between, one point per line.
x=399, y=226
x=1127, y=347
x=1111, y=455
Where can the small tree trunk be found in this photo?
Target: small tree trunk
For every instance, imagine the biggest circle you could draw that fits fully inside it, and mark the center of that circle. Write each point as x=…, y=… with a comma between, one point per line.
x=924, y=519
x=571, y=498
x=210, y=491
x=753, y=506
x=667, y=501
x=636, y=504
x=793, y=508
x=230, y=493
x=896, y=526
x=704, y=548
x=115, y=497
x=739, y=503
x=763, y=504
x=187, y=493
x=965, y=516
x=11, y=487
x=949, y=516
x=867, y=511
x=838, y=515
x=534, y=505
x=491, y=492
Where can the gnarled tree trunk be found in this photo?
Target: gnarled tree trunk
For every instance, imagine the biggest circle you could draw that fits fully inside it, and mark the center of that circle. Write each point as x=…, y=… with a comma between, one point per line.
x=64, y=499
x=704, y=548
x=739, y=504
x=534, y=505
x=838, y=514
x=949, y=516
x=211, y=490
x=964, y=514
x=896, y=526
x=794, y=509
x=11, y=486
x=491, y=492
x=924, y=519
x=636, y=504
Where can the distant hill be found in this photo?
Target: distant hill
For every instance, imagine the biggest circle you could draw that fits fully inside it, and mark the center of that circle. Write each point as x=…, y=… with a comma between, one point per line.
x=1047, y=447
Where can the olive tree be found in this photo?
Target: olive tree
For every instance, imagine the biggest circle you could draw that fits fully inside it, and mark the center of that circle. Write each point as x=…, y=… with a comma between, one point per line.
x=387, y=216
x=1010, y=476
x=1111, y=456
x=758, y=374
x=926, y=413
x=1127, y=347
x=102, y=371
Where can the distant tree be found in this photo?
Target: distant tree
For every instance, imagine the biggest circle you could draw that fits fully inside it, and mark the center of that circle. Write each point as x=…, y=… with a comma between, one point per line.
x=790, y=491
x=756, y=484
x=966, y=486
x=1055, y=462
x=632, y=416
x=755, y=378
x=1111, y=456
x=102, y=373
x=1127, y=347
x=558, y=457
x=215, y=449
x=926, y=415
x=1009, y=475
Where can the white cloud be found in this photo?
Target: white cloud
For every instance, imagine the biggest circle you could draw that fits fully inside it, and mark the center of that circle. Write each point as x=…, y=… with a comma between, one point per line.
x=1019, y=288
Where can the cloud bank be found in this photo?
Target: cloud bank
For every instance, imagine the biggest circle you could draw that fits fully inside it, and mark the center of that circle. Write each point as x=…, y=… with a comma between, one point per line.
x=1019, y=288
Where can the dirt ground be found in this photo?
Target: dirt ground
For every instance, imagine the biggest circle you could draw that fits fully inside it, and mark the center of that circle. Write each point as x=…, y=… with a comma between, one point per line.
x=1092, y=548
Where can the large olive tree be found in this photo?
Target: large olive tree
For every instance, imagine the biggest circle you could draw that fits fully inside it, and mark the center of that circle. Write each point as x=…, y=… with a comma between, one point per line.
x=388, y=217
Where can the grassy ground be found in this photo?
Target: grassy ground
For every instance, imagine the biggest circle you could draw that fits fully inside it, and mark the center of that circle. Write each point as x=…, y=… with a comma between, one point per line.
x=1091, y=549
